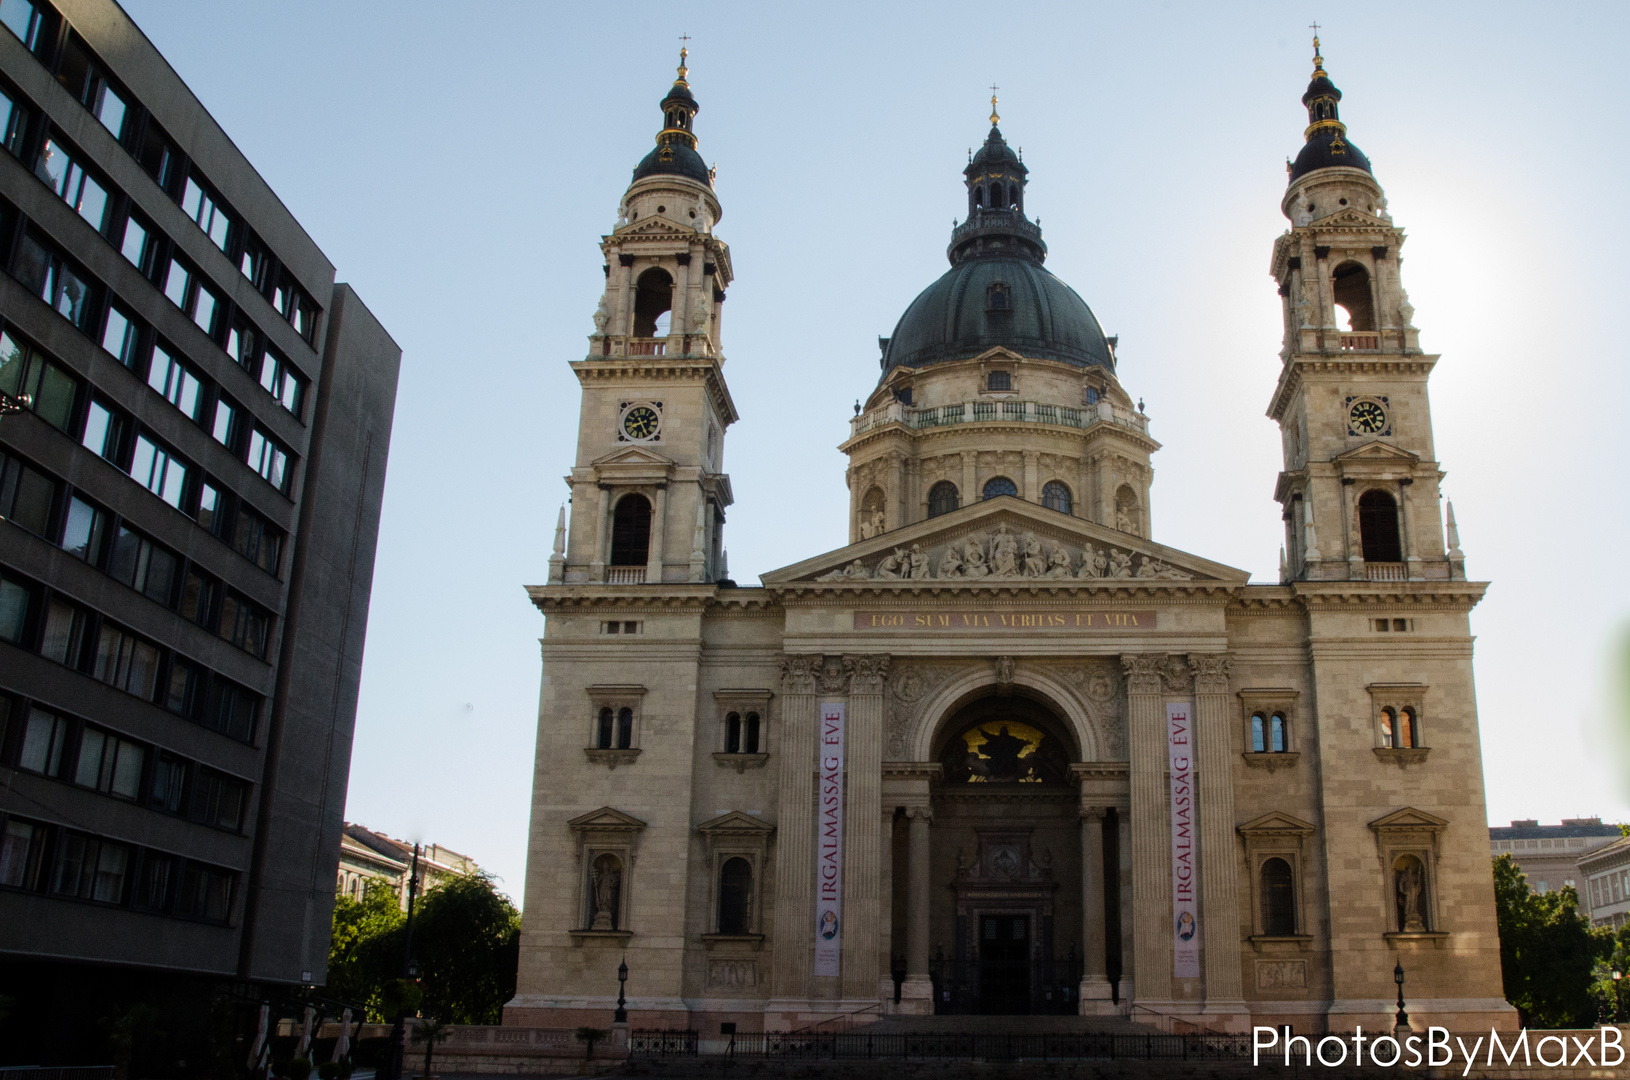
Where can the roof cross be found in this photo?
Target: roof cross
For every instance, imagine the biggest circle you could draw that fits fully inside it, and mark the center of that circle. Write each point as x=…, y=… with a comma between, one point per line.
x=993, y=117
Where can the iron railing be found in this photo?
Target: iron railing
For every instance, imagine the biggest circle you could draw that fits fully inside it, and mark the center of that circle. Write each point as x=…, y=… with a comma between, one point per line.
x=56, y=1072
x=946, y=1045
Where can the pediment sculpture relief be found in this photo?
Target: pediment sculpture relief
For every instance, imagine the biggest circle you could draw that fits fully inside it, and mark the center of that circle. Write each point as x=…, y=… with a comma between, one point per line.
x=1005, y=555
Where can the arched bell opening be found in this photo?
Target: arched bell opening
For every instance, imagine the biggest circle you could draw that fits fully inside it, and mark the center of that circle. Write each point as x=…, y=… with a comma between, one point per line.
x=1004, y=886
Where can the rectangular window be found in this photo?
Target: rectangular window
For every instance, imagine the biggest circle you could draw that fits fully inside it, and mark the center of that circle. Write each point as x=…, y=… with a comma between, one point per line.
x=182, y=695
x=244, y=624
x=126, y=661
x=157, y=470
x=92, y=869
x=76, y=187
x=155, y=884
x=121, y=336
x=82, y=75
x=218, y=800
x=211, y=508
x=201, y=206
x=169, y=793
x=198, y=598
x=110, y=107
x=158, y=156
x=26, y=496
x=44, y=738
x=109, y=764
x=84, y=529
x=104, y=431
x=294, y=305
x=231, y=710
x=206, y=893
x=241, y=342
x=269, y=459
x=178, y=283
x=22, y=847
x=255, y=263
x=66, y=628
x=54, y=280
x=227, y=425
x=23, y=19
x=257, y=540
x=15, y=598
x=13, y=123
x=174, y=382
x=280, y=380
x=137, y=245
x=50, y=390
x=143, y=565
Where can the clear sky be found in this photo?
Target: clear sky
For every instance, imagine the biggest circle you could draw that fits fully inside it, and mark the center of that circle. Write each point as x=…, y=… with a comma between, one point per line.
x=459, y=162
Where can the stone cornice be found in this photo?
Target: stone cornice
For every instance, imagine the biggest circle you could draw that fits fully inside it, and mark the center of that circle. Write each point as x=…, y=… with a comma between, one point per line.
x=1300, y=365
x=665, y=598
x=1078, y=437
x=707, y=369
x=1327, y=596
x=1166, y=593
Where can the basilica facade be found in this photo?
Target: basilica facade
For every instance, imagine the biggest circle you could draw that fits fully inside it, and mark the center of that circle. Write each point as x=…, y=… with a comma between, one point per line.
x=1006, y=752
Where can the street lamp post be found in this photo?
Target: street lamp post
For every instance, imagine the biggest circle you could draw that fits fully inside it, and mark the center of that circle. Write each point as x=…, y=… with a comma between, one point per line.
x=410, y=972
x=1400, y=1023
x=621, y=1015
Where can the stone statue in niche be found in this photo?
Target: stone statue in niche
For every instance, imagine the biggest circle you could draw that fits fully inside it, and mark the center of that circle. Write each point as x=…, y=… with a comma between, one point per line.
x=964, y=863
x=602, y=317
x=1004, y=671
x=1124, y=520
x=698, y=316
x=1411, y=886
x=892, y=564
x=607, y=879
x=918, y=560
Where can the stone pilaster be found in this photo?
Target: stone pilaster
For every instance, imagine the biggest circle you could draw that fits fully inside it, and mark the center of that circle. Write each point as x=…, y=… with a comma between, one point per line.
x=658, y=538
x=1219, y=880
x=862, y=826
x=795, y=827
x=1151, y=844
x=1095, y=989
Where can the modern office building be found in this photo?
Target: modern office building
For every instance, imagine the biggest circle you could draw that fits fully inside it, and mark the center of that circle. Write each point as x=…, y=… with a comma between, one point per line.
x=1549, y=854
x=191, y=499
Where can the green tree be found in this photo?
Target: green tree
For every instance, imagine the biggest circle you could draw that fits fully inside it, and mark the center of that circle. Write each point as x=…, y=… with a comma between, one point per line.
x=467, y=941
x=1548, y=951
x=366, y=953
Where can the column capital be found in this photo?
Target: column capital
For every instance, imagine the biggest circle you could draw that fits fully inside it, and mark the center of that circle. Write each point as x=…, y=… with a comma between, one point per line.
x=1211, y=672
x=1094, y=813
x=867, y=673
x=1142, y=672
x=799, y=673
x=924, y=814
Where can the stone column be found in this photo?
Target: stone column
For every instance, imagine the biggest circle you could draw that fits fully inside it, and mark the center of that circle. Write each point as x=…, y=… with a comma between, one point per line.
x=679, y=316
x=899, y=508
x=862, y=839
x=1095, y=988
x=1106, y=493
x=914, y=509
x=1032, y=485
x=1219, y=887
x=1406, y=526
x=1327, y=305
x=855, y=495
x=795, y=831
x=659, y=516
x=1126, y=989
x=970, y=478
x=917, y=995
x=602, y=537
x=1150, y=849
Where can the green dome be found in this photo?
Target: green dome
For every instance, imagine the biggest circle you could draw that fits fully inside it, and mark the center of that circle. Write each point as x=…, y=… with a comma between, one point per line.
x=956, y=318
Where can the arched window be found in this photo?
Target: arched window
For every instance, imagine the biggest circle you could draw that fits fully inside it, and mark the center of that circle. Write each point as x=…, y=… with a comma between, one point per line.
x=653, y=299
x=1277, y=743
x=1389, y=728
x=1351, y=284
x=1000, y=485
x=1410, y=894
x=605, y=893
x=736, y=896
x=942, y=498
x=606, y=730
x=1259, y=742
x=750, y=734
x=1278, y=891
x=979, y=196
x=1406, y=728
x=999, y=380
x=1378, y=527
x=997, y=299
x=625, y=728
x=1055, y=496
x=996, y=197
x=732, y=733
x=631, y=531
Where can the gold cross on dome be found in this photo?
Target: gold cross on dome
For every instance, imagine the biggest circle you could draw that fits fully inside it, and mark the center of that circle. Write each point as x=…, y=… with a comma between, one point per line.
x=993, y=117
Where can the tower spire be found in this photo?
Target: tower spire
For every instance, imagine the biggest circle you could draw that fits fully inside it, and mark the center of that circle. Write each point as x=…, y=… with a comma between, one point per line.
x=1326, y=136
x=994, y=118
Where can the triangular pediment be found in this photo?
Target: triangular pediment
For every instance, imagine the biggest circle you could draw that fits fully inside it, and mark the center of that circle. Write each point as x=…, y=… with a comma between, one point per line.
x=655, y=228
x=607, y=818
x=1276, y=823
x=1372, y=452
x=632, y=455
x=1006, y=541
x=735, y=823
x=1351, y=218
x=1409, y=819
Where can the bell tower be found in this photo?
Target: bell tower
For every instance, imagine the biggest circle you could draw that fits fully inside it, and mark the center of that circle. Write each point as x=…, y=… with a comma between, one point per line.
x=648, y=488
x=1360, y=482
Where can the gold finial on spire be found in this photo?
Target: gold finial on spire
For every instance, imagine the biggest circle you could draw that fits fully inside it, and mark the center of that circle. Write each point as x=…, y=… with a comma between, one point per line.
x=994, y=119
x=1318, y=61
x=684, y=51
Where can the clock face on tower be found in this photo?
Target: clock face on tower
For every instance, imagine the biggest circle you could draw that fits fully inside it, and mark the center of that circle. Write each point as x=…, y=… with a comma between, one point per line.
x=1367, y=418
x=641, y=423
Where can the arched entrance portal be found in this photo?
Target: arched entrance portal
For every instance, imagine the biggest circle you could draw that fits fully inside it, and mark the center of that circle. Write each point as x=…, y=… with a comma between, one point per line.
x=1006, y=906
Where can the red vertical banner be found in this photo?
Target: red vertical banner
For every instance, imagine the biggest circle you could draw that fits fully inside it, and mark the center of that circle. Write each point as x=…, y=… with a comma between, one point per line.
x=1185, y=879
x=829, y=844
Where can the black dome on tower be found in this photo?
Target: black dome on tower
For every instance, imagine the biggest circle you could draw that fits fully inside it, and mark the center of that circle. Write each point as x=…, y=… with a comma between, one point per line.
x=675, y=153
x=997, y=292
x=1327, y=142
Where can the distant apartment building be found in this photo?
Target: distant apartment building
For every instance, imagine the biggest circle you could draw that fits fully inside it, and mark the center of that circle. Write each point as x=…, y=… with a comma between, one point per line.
x=1606, y=876
x=371, y=859
x=1549, y=854
x=191, y=500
